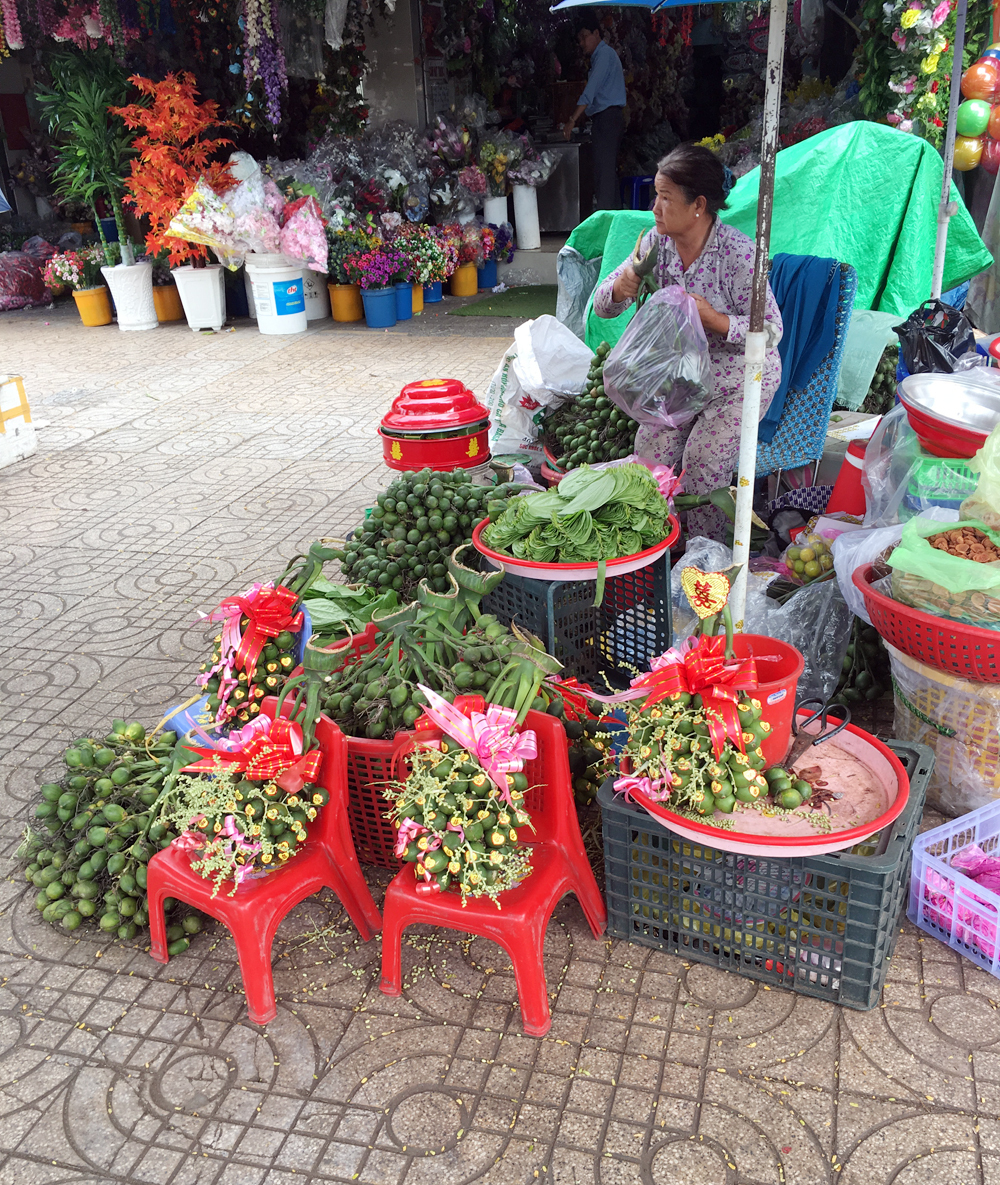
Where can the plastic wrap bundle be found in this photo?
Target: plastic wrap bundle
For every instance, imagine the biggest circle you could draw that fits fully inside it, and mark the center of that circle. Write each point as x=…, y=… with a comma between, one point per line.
x=960, y=721
x=206, y=218
x=577, y=278
x=533, y=170
x=303, y=235
x=21, y=283
x=254, y=222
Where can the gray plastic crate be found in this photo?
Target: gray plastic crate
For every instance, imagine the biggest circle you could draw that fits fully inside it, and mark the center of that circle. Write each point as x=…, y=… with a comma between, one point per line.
x=617, y=638
x=824, y=926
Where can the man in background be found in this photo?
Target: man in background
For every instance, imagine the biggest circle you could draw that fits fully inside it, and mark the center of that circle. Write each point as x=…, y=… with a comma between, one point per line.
x=603, y=100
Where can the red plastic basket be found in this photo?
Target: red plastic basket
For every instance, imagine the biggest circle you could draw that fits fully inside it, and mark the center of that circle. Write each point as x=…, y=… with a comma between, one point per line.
x=964, y=650
x=369, y=766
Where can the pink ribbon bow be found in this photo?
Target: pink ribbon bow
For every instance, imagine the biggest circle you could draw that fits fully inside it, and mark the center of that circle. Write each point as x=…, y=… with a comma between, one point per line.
x=652, y=788
x=237, y=842
x=409, y=830
x=488, y=736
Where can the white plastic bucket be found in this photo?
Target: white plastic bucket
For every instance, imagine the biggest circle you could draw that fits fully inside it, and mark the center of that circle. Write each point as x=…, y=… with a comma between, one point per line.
x=316, y=293
x=495, y=210
x=278, y=294
x=526, y=218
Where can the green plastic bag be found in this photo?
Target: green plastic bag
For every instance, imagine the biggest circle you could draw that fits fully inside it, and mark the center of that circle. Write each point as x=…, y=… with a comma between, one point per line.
x=984, y=504
x=945, y=585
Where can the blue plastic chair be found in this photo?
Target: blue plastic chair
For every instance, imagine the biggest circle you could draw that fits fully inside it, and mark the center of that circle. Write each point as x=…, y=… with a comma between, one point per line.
x=633, y=186
x=805, y=418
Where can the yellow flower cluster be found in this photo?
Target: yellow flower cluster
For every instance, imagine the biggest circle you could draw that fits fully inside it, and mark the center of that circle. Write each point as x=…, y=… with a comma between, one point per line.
x=712, y=142
x=930, y=64
x=909, y=18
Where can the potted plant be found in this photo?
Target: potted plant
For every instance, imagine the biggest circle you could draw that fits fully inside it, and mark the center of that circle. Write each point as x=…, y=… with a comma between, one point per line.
x=466, y=242
x=174, y=151
x=81, y=272
x=375, y=271
x=497, y=247
x=94, y=151
x=345, y=295
x=429, y=261
x=402, y=281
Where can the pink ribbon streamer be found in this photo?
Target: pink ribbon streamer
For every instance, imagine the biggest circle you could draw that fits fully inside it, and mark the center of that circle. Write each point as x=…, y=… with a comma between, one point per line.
x=652, y=788
x=488, y=737
x=230, y=616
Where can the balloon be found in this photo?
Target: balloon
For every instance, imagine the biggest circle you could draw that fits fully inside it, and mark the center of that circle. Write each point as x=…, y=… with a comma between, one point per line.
x=981, y=79
x=993, y=127
x=968, y=151
x=990, y=159
x=973, y=116
x=992, y=54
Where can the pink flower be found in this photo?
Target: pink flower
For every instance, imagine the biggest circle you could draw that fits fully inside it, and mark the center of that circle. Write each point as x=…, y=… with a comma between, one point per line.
x=892, y=118
x=899, y=39
x=940, y=14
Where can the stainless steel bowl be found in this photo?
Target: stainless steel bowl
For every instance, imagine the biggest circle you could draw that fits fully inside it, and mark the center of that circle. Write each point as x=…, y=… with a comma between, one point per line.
x=970, y=399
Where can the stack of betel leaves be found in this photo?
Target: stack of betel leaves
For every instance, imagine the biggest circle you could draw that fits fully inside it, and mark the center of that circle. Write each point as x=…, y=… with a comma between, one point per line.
x=255, y=652
x=589, y=428
x=413, y=528
x=97, y=828
x=592, y=515
x=460, y=809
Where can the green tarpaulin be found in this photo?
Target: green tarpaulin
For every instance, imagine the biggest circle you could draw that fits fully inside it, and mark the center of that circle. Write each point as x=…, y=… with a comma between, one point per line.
x=862, y=193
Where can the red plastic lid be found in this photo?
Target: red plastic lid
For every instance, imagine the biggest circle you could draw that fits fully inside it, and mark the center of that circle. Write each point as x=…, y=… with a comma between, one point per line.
x=432, y=406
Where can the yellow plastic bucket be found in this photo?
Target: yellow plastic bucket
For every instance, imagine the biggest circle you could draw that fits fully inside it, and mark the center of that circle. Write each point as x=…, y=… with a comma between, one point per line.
x=465, y=280
x=93, y=305
x=345, y=301
x=167, y=302
x=418, y=299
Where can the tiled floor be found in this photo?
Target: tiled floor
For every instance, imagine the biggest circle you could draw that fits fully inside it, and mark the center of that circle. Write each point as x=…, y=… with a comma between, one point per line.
x=173, y=468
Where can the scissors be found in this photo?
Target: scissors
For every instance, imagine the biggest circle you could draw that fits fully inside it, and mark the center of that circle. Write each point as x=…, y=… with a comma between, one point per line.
x=803, y=740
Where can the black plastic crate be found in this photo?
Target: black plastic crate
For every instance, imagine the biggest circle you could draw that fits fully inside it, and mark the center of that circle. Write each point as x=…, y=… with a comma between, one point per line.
x=616, y=639
x=824, y=926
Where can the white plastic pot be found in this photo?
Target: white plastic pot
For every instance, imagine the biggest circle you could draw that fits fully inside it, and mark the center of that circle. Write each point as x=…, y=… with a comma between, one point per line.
x=203, y=295
x=495, y=210
x=316, y=293
x=526, y=218
x=248, y=285
x=277, y=293
x=132, y=291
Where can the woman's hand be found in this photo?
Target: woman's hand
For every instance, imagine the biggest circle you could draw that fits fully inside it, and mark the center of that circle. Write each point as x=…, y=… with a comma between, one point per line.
x=626, y=287
x=712, y=320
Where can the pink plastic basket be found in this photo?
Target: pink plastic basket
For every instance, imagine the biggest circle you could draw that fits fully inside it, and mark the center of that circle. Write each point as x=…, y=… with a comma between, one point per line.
x=949, y=904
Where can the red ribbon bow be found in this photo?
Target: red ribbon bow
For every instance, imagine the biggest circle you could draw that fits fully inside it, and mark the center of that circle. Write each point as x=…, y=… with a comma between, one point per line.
x=702, y=670
x=269, y=610
x=276, y=756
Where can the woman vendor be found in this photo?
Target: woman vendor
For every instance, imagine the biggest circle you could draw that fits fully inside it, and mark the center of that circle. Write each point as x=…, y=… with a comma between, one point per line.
x=714, y=264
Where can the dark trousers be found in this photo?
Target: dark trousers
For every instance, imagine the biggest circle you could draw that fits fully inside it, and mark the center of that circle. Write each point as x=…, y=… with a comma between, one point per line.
x=606, y=130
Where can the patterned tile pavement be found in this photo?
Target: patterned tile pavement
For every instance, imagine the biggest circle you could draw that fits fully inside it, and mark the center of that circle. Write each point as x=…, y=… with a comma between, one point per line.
x=173, y=467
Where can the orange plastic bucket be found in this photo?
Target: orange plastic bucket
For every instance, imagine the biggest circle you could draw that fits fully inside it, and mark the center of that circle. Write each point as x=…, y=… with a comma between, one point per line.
x=465, y=280
x=778, y=669
x=93, y=305
x=345, y=302
x=167, y=302
x=418, y=298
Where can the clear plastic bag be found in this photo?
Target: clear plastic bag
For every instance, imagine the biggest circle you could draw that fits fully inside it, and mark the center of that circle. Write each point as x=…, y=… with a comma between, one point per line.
x=942, y=584
x=659, y=371
x=984, y=504
x=892, y=461
x=21, y=283
x=815, y=620
x=577, y=278
x=206, y=218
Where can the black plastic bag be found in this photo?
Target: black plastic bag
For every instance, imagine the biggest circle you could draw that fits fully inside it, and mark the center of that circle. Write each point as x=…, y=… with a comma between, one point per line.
x=934, y=337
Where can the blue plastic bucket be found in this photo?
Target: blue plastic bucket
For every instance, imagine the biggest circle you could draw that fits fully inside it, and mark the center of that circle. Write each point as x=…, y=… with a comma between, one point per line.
x=488, y=274
x=380, y=307
x=183, y=721
x=432, y=292
x=110, y=228
x=404, y=302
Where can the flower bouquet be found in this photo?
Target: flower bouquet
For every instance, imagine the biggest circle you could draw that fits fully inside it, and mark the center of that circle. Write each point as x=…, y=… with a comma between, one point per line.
x=534, y=169
x=472, y=183
x=342, y=244
x=498, y=154
x=303, y=233
x=459, y=810
x=465, y=239
x=380, y=267
x=503, y=243
x=77, y=270
x=247, y=807
x=428, y=258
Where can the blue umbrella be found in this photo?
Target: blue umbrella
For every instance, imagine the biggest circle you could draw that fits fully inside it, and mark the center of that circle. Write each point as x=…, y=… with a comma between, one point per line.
x=755, y=337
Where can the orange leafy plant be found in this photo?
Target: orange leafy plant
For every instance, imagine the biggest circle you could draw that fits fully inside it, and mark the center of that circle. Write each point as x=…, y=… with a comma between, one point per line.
x=173, y=152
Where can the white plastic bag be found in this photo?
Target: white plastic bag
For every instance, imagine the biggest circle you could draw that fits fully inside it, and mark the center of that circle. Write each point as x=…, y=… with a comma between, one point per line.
x=551, y=363
x=512, y=428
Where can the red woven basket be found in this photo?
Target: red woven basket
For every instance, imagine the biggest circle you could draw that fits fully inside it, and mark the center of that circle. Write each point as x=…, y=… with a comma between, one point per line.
x=964, y=650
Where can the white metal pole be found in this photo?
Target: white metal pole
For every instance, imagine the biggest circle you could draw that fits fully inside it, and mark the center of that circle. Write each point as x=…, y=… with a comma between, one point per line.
x=947, y=207
x=756, y=338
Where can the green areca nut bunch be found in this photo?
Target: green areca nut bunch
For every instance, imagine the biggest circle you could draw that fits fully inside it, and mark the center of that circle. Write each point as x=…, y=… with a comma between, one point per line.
x=98, y=827
x=589, y=428
x=274, y=664
x=270, y=822
x=464, y=833
x=415, y=525
x=672, y=739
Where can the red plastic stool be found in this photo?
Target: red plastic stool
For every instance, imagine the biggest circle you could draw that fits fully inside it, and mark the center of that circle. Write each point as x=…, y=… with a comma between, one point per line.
x=559, y=866
x=253, y=913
